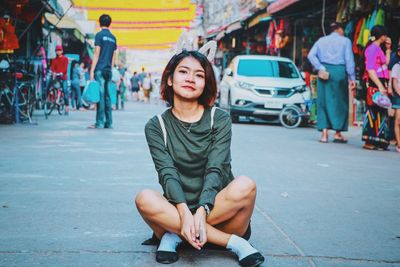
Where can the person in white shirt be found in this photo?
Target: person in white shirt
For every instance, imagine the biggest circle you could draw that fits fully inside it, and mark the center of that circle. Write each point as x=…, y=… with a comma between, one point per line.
x=115, y=83
x=146, y=87
x=395, y=77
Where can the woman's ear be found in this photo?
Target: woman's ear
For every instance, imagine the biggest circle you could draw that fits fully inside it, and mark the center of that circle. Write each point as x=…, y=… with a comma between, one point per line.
x=169, y=81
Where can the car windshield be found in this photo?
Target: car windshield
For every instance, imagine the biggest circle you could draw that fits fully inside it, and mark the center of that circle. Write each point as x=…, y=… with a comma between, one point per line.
x=267, y=68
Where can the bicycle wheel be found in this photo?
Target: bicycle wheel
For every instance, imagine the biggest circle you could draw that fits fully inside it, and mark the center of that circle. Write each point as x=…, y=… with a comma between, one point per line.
x=26, y=102
x=50, y=102
x=61, y=104
x=290, y=117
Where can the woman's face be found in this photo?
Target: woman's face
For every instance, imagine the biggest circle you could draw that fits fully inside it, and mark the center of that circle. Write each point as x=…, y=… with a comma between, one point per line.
x=382, y=39
x=188, y=80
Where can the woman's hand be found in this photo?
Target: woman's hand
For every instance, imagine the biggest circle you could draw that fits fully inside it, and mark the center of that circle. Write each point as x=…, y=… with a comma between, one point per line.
x=382, y=89
x=200, y=226
x=187, y=225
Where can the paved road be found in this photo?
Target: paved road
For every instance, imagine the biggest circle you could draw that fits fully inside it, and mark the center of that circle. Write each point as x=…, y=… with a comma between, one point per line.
x=66, y=195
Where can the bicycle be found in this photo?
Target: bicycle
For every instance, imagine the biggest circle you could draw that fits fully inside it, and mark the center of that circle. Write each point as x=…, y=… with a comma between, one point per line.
x=18, y=99
x=55, y=96
x=292, y=116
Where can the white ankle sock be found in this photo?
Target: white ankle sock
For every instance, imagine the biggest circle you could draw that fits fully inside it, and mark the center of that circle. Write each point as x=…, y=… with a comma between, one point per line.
x=169, y=242
x=241, y=247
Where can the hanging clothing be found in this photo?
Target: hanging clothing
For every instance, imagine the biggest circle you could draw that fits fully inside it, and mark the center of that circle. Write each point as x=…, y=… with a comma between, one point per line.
x=361, y=35
x=8, y=39
x=270, y=39
x=366, y=32
x=356, y=49
x=349, y=29
x=372, y=21
x=380, y=17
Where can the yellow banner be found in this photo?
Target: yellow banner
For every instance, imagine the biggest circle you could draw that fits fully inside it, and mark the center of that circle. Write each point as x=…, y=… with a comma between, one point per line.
x=143, y=24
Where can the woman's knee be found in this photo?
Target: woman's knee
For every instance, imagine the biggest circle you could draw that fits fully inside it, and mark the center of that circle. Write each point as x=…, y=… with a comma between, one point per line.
x=243, y=188
x=146, y=201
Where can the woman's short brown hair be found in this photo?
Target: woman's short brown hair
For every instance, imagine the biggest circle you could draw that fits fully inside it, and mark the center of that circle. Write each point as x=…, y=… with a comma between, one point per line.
x=209, y=94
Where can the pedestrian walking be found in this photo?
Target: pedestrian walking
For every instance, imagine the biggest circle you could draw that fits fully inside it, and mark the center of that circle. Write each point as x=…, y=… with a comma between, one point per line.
x=75, y=86
x=122, y=87
x=82, y=75
x=135, y=84
x=396, y=101
x=332, y=56
x=202, y=202
x=394, y=58
x=146, y=85
x=375, y=128
x=103, y=60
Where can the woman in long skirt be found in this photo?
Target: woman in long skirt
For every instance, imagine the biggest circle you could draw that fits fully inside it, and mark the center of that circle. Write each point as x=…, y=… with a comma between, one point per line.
x=375, y=128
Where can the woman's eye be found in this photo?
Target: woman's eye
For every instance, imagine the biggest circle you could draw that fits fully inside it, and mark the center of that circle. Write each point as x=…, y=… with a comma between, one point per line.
x=182, y=71
x=200, y=76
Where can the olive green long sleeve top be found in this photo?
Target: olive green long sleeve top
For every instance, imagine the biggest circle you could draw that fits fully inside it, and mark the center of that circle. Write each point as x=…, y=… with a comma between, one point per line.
x=194, y=165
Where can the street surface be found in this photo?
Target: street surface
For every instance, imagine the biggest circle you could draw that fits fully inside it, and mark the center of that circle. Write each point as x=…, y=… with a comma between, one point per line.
x=66, y=195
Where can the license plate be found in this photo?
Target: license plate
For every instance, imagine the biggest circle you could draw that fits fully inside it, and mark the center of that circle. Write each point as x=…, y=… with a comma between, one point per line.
x=273, y=104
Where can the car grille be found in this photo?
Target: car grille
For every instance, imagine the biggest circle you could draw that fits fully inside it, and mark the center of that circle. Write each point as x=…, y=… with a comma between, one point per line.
x=275, y=92
x=264, y=91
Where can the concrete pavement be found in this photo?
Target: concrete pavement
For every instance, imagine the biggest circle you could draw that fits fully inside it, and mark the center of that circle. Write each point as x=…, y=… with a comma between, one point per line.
x=66, y=195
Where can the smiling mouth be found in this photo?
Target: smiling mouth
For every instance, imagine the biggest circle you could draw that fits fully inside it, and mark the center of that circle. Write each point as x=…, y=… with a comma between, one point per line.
x=188, y=87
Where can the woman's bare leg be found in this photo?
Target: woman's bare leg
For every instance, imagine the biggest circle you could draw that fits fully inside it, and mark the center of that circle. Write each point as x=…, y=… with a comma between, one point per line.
x=158, y=213
x=234, y=206
x=397, y=126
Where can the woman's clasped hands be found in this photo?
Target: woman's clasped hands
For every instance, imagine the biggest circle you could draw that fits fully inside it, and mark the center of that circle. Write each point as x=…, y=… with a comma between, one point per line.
x=193, y=226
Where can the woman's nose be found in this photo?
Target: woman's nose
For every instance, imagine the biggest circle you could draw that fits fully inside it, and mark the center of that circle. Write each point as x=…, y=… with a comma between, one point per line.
x=190, y=78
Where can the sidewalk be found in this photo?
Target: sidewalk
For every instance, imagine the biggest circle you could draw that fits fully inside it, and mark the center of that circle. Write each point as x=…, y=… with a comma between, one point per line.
x=66, y=195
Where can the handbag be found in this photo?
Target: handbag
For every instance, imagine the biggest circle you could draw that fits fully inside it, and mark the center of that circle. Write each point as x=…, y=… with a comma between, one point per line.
x=323, y=75
x=381, y=100
x=91, y=93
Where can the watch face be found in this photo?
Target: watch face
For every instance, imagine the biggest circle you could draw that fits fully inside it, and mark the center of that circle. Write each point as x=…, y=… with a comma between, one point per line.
x=206, y=208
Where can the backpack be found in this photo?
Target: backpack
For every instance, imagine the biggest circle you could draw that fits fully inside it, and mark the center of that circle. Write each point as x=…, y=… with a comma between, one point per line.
x=164, y=130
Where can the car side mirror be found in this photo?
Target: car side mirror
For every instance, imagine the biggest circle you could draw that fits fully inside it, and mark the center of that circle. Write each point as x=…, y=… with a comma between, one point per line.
x=303, y=75
x=228, y=72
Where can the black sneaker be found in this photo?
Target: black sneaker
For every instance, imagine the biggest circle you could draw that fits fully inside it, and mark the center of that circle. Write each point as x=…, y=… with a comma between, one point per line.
x=252, y=260
x=166, y=257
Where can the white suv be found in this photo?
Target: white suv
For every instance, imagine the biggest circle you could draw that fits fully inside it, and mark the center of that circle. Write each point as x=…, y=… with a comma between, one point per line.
x=260, y=86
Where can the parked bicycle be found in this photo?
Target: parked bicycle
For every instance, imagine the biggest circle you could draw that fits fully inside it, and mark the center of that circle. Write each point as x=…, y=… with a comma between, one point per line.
x=292, y=116
x=17, y=94
x=55, y=96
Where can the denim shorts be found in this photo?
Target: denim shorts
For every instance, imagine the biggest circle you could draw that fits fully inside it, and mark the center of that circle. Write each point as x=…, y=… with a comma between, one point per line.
x=395, y=101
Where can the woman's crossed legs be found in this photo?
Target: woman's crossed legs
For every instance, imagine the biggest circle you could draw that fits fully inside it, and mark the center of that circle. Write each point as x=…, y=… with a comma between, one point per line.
x=231, y=213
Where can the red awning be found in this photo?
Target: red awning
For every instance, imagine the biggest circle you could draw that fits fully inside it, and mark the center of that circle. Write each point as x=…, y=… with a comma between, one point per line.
x=279, y=5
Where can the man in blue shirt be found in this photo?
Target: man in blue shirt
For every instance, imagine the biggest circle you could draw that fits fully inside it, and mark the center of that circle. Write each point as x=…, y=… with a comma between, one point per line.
x=103, y=60
x=332, y=56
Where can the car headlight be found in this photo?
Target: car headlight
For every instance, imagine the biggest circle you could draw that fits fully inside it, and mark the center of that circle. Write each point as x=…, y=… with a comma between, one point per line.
x=300, y=88
x=244, y=85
